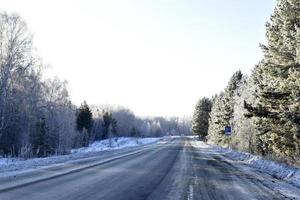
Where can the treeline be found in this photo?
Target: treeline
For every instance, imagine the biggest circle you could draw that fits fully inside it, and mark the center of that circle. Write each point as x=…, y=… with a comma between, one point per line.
x=263, y=109
x=37, y=117
x=124, y=123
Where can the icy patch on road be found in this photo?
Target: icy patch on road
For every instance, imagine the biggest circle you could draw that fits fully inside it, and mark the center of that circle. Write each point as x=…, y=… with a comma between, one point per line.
x=18, y=164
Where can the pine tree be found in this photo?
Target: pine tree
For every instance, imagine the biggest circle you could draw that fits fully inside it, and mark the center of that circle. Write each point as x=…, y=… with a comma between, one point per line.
x=84, y=122
x=230, y=91
x=216, y=120
x=84, y=118
x=39, y=140
x=276, y=109
x=244, y=129
x=201, y=117
x=223, y=109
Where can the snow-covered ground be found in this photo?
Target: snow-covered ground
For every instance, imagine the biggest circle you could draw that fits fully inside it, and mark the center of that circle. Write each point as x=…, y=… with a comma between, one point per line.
x=278, y=170
x=17, y=164
x=115, y=143
x=288, y=177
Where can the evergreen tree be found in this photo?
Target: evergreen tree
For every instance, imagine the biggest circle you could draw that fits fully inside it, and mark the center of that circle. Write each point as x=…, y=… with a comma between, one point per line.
x=244, y=129
x=230, y=91
x=134, y=132
x=201, y=117
x=216, y=122
x=84, y=118
x=40, y=140
x=223, y=109
x=84, y=122
x=276, y=109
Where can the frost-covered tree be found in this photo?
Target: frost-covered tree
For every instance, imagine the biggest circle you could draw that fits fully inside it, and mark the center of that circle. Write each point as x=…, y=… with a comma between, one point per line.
x=16, y=61
x=276, y=109
x=36, y=116
x=126, y=121
x=222, y=110
x=201, y=117
x=216, y=124
x=244, y=129
x=128, y=124
x=109, y=125
x=60, y=116
x=229, y=101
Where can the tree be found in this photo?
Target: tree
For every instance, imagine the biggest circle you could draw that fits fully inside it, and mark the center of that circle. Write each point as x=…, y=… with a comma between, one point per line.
x=84, y=122
x=40, y=140
x=200, y=120
x=16, y=60
x=109, y=125
x=126, y=119
x=60, y=116
x=216, y=122
x=222, y=110
x=229, y=101
x=84, y=118
x=276, y=109
x=112, y=130
x=244, y=128
x=20, y=85
x=134, y=132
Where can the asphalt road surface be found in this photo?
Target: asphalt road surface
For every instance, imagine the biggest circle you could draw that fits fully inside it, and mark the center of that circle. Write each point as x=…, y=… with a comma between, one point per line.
x=168, y=170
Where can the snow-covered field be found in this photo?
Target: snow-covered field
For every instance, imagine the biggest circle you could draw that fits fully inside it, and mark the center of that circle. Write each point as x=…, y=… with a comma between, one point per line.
x=15, y=164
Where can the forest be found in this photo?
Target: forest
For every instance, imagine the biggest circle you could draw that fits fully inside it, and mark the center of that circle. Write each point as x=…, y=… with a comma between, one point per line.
x=263, y=109
x=37, y=117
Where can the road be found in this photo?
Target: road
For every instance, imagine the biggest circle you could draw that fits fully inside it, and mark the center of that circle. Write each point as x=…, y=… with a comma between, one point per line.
x=169, y=170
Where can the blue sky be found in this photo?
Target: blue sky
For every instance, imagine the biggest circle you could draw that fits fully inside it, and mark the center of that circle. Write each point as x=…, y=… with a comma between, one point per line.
x=155, y=57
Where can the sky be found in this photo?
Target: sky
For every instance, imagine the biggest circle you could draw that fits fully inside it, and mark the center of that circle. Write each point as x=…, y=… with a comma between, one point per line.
x=155, y=57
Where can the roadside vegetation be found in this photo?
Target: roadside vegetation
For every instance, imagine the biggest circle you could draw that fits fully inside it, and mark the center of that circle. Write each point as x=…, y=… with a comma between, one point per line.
x=37, y=117
x=264, y=108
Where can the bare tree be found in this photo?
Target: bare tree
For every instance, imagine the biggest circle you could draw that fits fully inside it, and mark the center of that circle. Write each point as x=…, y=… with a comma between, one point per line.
x=15, y=59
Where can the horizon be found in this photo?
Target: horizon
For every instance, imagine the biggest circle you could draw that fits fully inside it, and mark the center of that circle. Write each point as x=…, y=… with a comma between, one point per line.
x=154, y=58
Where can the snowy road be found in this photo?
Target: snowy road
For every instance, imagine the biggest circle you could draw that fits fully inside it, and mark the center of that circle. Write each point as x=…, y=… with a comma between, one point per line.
x=174, y=169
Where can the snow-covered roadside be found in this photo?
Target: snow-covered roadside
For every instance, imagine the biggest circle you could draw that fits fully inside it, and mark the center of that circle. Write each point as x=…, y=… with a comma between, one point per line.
x=14, y=164
x=280, y=171
x=276, y=176
x=115, y=143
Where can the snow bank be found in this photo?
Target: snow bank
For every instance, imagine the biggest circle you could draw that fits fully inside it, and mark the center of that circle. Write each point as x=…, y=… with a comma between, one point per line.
x=278, y=170
x=288, y=177
x=17, y=164
x=115, y=143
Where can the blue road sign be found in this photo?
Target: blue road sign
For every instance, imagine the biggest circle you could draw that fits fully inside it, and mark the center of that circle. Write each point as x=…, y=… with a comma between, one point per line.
x=228, y=130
